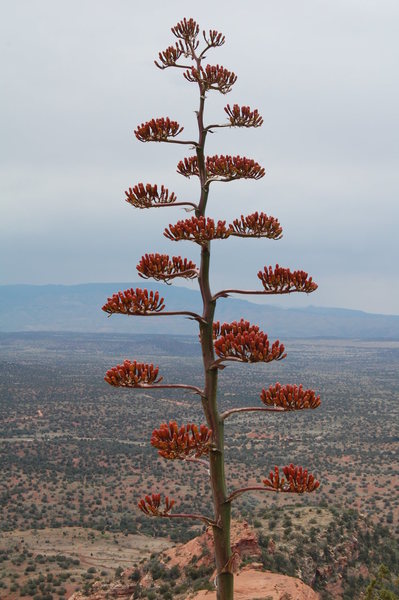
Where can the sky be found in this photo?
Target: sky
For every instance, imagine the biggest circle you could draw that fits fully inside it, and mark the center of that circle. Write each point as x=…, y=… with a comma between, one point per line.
x=77, y=77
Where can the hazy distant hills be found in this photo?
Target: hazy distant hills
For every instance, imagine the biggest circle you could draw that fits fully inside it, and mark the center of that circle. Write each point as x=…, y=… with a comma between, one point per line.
x=78, y=308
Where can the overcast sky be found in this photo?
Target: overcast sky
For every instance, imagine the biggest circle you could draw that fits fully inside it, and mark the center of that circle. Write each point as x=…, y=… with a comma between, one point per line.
x=78, y=76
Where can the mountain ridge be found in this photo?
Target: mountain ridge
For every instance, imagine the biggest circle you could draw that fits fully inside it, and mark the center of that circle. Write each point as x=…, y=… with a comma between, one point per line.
x=77, y=308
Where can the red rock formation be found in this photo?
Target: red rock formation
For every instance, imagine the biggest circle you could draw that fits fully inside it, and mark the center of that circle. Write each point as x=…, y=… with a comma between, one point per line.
x=251, y=584
x=244, y=543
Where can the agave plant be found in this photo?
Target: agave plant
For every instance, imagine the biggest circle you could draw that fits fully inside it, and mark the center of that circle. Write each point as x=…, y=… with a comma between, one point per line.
x=221, y=343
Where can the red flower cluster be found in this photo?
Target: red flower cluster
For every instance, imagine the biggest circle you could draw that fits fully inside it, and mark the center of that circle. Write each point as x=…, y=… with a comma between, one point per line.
x=146, y=196
x=223, y=168
x=157, y=130
x=243, y=116
x=163, y=268
x=244, y=341
x=297, y=480
x=283, y=281
x=188, y=167
x=215, y=38
x=134, y=302
x=170, y=56
x=289, y=397
x=212, y=78
x=175, y=442
x=186, y=30
x=257, y=225
x=132, y=374
x=151, y=505
x=229, y=168
x=197, y=229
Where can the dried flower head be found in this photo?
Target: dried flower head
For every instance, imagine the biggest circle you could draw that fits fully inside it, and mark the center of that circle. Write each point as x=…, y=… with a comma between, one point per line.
x=175, y=442
x=212, y=78
x=257, y=225
x=157, y=130
x=243, y=116
x=151, y=505
x=289, y=397
x=297, y=480
x=214, y=38
x=162, y=267
x=245, y=342
x=197, y=229
x=186, y=30
x=170, y=56
x=229, y=168
x=145, y=196
x=132, y=375
x=134, y=302
x=283, y=281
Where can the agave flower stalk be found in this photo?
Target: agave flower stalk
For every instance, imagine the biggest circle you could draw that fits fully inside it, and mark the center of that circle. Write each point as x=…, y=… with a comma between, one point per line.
x=221, y=344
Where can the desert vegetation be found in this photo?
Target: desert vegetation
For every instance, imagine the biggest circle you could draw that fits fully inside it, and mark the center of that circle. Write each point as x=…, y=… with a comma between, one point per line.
x=75, y=454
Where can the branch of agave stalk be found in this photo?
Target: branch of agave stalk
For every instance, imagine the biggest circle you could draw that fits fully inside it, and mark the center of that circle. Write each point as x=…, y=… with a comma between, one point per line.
x=188, y=314
x=217, y=364
x=227, y=413
x=217, y=125
x=255, y=488
x=171, y=386
x=186, y=142
x=226, y=293
x=165, y=204
x=202, y=462
x=202, y=518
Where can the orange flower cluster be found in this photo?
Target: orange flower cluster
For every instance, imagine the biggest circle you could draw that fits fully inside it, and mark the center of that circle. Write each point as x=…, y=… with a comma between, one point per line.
x=244, y=341
x=282, y=281
x=188, y=167
x=175, y=442
x=163, y=268
x=132, y=374
x=243, y=116
x=297, y=480
x=233, y=167
x=215, y=38
x=197, y=229
x=212, y=78
x=186, y=30
x=170, y=56
x=257, y=225
x=157, y=130
x=289, y=397
x=145, y=196
x=134, y=302
x=151, y=505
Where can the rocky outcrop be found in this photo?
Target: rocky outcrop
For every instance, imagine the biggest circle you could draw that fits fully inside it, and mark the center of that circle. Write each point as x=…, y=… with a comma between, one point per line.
x=114, y=591
x=244, y=543
x=252, y=584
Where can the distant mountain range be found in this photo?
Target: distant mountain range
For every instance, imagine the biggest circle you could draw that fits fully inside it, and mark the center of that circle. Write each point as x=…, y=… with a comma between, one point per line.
x=78, y=308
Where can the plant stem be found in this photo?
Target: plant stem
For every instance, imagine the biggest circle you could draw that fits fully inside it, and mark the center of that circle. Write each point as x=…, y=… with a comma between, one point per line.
x=170, y=386
x=252, y=488
x=222, y=507
x=227, y=413
x=226, y=293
